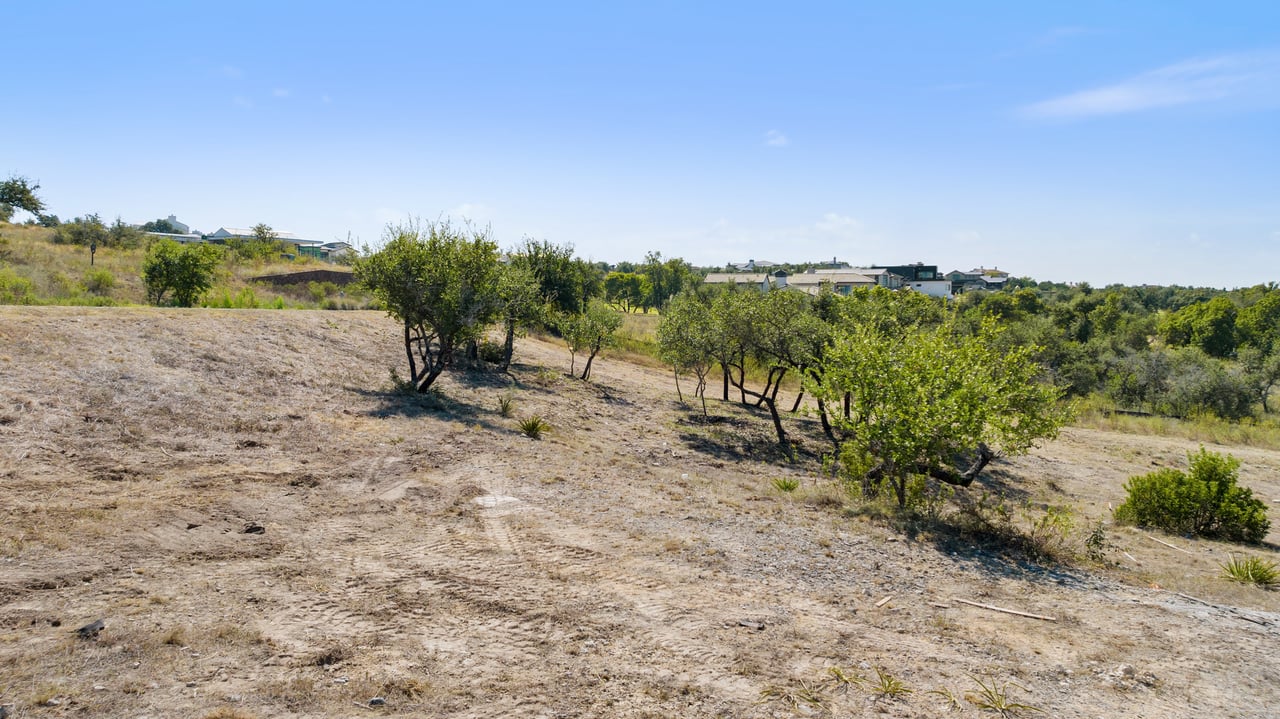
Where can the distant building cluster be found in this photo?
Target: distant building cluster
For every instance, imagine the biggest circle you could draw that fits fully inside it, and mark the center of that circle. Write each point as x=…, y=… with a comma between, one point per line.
x=843, y=278
x=327, y=251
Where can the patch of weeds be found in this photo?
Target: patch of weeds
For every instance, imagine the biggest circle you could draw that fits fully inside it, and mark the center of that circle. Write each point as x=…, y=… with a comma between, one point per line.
x=400, y=385
x=951, y=701
x=1252, y=570
x=842, y=679
x=995, y=697
x=534, y=427
x=1048, y=536
x=794, y=696
x=506, y=405
x=333, y=655
x=175, y=637
x=786, y=485
x=888, y=686
x=1097, y=544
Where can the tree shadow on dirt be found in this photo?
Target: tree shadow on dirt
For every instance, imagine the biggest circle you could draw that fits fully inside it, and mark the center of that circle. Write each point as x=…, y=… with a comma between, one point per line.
x=435, y=403
x=735, y=432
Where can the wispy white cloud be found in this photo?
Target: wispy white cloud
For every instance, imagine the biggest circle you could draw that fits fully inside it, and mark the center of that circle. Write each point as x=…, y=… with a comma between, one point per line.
x=280, y=92
x=773, y=138
x=1251, y=77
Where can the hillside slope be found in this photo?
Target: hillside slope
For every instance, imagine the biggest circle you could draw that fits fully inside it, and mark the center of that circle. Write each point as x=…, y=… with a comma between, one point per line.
x=266, y=530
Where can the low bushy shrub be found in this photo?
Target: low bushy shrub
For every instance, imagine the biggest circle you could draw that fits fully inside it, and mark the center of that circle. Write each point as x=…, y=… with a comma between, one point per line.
x=1204, y=502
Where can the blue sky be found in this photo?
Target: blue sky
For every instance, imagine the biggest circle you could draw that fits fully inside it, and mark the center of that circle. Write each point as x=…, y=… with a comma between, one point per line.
x=1104, y=142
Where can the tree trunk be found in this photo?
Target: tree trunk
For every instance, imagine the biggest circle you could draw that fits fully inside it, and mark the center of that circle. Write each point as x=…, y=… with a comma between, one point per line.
x=586, y=371
x=408, y=349
x=724, y=371
x=509, y=345
x=777, y=427
x=799, y=398
x=679, y=394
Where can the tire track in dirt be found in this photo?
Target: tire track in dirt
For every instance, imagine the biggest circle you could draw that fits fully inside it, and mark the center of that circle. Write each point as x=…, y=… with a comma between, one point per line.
x=655, y=616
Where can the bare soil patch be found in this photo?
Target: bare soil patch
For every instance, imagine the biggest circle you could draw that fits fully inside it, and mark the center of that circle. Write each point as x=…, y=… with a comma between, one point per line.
x=266, y=530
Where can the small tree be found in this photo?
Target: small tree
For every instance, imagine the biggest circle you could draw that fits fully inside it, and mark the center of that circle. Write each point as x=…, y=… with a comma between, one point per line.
x=590, y=332
x=186, y=271
x=19, y=193
x=687, y=340
x=162, y=226
x=1206, y=502
x=922, y=402
x=521, y=305
x=84, y=231
x=627, y=290
x=441, y=282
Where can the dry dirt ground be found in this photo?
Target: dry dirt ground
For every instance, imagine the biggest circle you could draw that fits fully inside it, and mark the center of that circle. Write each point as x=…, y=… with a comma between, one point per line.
x=266, y=530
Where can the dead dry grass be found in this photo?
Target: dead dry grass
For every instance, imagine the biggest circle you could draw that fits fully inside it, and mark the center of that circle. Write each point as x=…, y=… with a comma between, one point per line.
x=267, y=530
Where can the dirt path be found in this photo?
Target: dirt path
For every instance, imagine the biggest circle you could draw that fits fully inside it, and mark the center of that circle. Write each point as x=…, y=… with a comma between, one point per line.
x=634, y=563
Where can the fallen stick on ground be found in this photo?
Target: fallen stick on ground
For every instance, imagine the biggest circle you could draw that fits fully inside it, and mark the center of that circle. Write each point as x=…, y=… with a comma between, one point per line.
x=1006, y=611
x=1170, y=546
x=884, y=601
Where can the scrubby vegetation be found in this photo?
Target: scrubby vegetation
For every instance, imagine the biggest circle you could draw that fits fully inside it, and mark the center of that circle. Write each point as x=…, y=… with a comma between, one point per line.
x=1205, y=502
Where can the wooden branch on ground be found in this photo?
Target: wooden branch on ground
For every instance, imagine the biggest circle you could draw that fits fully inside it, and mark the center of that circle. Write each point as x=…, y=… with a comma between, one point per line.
x=884, y=601
x=1006, y=611
x=1170, y=546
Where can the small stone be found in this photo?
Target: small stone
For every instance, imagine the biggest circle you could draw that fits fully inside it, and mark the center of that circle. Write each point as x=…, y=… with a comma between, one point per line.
x=377, y=702
x=191, y=685
x=99, y=688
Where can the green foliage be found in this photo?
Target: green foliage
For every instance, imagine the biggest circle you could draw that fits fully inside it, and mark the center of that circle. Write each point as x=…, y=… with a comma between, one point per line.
x=123, y=235
x=245, y=299
x=521, y=305
x=1211, y=326
x=534, y=427
x=665, y=279
x=590, y=332
x=20, y=193
x=264, y=245
x=1252, y=570
x=567, y=283
x=920, y=399
x=1205, y=502
x=162, y=226
x=83, y=231
x=786, y=485
x=888, y=686
x=1181, y=383
x=99, y=280
x=184, y=272
x=506, y=405
x=1258, y=324
x=441, y=283
x=688, y=341
x=15, y=289
x=993, y=696
x=627, y=290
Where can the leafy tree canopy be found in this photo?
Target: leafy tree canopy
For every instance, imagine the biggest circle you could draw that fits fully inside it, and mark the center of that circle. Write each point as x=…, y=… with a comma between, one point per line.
x=442, y=283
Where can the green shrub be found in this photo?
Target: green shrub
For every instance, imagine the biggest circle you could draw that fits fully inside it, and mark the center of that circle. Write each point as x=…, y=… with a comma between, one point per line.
x=786, y=484
x=1205, y=502
x=15, y=289
x=490, y=352
x=99, y=281
x=1252, y=570
x=534, y=427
